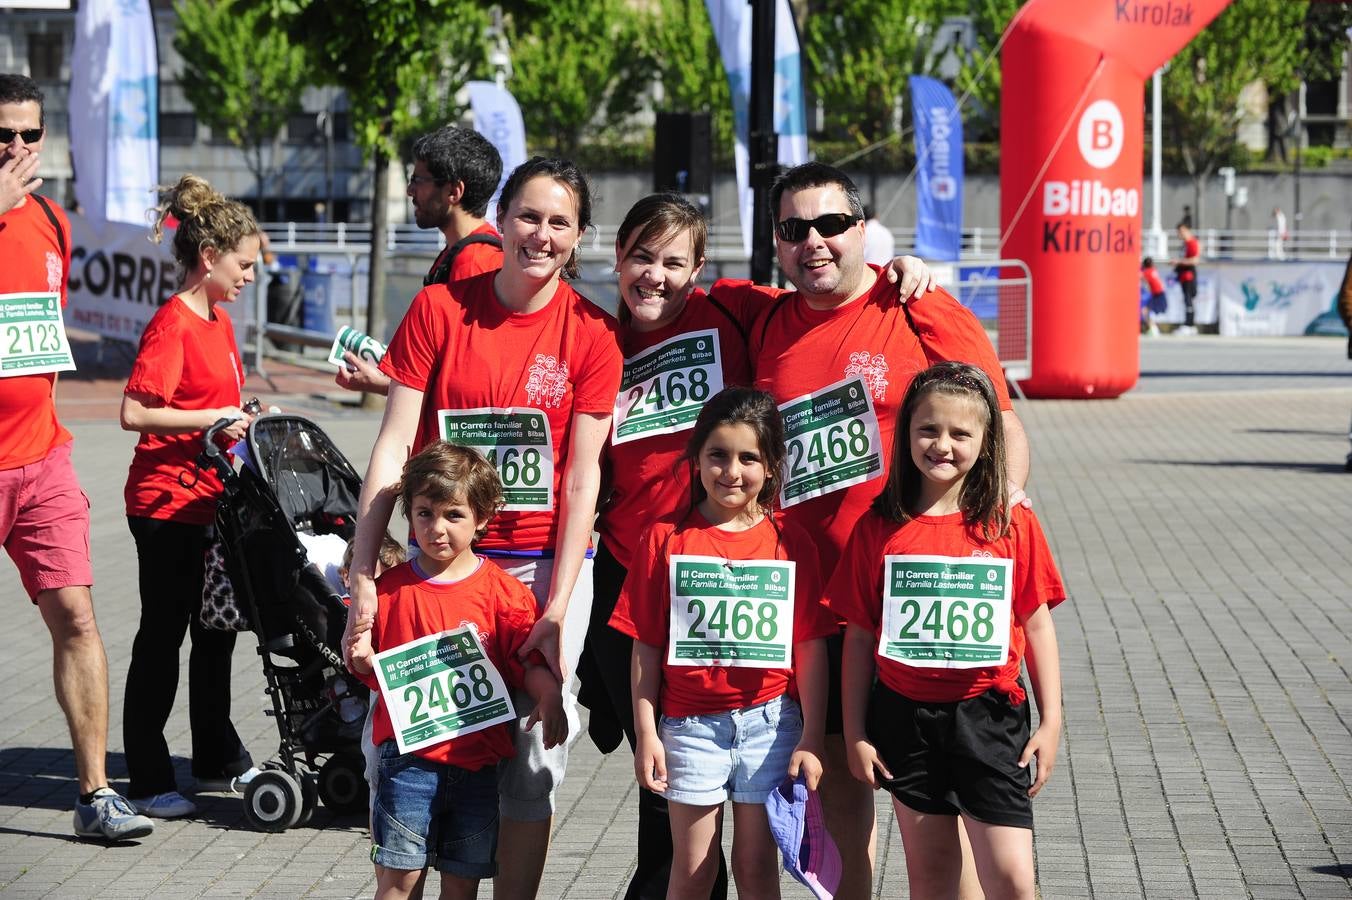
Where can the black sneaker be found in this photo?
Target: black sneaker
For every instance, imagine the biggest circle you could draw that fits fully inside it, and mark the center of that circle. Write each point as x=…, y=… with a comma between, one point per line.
x=110, y=817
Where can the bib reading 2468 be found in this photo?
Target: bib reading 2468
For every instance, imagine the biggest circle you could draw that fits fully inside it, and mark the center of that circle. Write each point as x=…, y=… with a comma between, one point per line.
x=832, y=441
x=439, y=687
x=664, y=387
x=33, y=335
x=516, y=442
x=730, y=612
x=946, y=612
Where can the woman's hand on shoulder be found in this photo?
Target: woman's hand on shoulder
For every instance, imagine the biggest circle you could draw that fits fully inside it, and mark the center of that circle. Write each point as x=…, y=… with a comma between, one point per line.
x=914, y=278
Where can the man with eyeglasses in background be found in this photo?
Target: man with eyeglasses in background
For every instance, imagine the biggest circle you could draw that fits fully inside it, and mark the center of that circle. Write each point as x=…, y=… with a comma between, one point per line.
x=842, y=334
x=455, y=172
x=44, y=515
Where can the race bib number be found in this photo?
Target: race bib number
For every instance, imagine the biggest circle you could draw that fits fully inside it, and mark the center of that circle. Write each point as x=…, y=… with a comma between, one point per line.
x=731, y=612
x=440, y=687
x=33, y=335
x=946, y=612
x=516, y=442
x=362, y=345
x=832, y=441
x=665, y=387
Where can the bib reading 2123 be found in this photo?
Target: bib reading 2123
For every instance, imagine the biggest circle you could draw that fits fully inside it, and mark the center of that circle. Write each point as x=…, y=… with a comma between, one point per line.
x=439, y=687
x=946, y=612
x=33, y=335
x=516, y=442
x=731, y=612
x=665, y=387
x=832, y=441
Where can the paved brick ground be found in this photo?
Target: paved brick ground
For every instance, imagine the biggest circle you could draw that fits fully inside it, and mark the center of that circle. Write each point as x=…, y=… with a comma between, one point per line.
x=1203, y=523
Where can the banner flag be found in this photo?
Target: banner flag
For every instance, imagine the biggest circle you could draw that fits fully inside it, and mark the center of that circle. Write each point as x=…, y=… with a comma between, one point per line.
x=114, y=110
x=731, y=20
x=498, y=118
x=938, y=181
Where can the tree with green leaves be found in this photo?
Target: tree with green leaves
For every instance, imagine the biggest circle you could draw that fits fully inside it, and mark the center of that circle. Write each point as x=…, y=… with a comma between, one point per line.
x=401, y=63
x=679, y=39
x=1252, y=40
x=570, y=60
x=242, y=83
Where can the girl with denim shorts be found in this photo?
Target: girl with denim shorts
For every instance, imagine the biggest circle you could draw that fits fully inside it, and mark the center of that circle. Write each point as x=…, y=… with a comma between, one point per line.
x=723, y=605
x=946, y=590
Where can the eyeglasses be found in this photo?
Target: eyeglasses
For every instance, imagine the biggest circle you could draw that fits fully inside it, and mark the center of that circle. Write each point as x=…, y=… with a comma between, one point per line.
x=29, y=135
x=829, y=225
x=415, y=180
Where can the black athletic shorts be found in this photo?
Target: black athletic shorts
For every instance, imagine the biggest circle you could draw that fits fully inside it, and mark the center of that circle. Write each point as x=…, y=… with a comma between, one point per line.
x=951, y=758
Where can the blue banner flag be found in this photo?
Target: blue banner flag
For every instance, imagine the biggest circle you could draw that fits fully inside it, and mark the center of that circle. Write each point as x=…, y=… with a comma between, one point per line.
x=938, y=182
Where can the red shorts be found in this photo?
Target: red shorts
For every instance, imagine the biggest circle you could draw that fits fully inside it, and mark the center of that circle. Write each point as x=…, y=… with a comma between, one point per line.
x=44, y=523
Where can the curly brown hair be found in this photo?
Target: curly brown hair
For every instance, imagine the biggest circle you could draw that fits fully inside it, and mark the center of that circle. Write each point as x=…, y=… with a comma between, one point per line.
x=206, y=218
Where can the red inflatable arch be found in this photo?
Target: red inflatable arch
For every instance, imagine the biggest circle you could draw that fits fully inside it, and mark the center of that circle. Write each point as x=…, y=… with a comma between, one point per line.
x=1071, y=123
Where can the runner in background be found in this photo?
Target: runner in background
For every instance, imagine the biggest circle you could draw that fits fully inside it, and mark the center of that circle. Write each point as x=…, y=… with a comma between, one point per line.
x=44, y=515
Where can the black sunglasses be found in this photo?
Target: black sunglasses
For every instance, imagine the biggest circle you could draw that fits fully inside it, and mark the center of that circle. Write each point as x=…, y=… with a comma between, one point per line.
x=829, y=225
x=29, y=135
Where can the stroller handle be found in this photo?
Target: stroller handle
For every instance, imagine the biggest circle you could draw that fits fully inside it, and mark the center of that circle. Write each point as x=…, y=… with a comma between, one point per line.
x=212, y=455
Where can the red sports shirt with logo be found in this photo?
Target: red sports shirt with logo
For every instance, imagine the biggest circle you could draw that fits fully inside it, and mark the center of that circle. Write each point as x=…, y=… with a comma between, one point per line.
x=185, y=362
x=796, y=350
x=31, y=261
x=855, y=593
x=643, y=610
x=464, y=350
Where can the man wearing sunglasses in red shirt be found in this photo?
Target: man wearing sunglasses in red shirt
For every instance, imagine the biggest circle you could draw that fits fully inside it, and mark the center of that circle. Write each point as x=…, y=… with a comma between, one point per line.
x=44, y=516
x=844, y=348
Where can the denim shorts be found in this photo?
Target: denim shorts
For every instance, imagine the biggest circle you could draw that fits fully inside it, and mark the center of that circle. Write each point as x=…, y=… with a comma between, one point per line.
x=429, y=813
x=743, y=754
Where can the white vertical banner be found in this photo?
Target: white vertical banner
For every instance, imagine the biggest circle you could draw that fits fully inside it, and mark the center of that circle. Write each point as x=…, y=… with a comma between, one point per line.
x=498, y=118
x=731, y=20
x=114, y=111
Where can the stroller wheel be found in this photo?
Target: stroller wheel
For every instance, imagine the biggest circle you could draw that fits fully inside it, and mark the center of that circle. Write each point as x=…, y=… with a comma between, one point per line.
x=342, y=786
x=309, y=797
x=273, y=800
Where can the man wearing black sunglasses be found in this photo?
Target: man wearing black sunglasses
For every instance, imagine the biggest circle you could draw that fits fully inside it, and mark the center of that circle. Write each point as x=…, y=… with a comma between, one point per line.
x=842, y=335
x=44, y=516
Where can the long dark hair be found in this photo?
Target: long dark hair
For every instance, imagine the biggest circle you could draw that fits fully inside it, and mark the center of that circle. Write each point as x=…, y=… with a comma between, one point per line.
x=740, y=406
x=985, y=492
x=565, y=173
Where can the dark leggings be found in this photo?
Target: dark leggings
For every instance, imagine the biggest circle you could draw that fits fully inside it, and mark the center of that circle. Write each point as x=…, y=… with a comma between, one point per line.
x=170, y=566
x=1189, y=289
x=610, y=651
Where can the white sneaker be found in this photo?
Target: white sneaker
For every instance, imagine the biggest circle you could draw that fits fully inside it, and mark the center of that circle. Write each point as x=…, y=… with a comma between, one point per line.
x=170, y=805
x=230, y=784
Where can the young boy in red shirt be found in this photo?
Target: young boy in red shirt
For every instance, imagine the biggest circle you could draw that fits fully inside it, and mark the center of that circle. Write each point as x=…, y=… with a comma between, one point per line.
x=444, y=653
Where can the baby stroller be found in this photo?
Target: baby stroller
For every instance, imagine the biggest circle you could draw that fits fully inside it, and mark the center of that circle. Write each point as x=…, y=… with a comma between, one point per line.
x=292, y=479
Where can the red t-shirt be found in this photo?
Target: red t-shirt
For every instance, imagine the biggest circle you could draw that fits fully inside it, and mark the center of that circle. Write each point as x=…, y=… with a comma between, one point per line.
x=646, y=480
x=186, y=362
x=473, y=259
x=855, y=593
x=796, y=350
x=1192, y=248
x=31, y=261
x=1153, y=282
x=643, y=610
x=499, y=607
x=465, y=351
